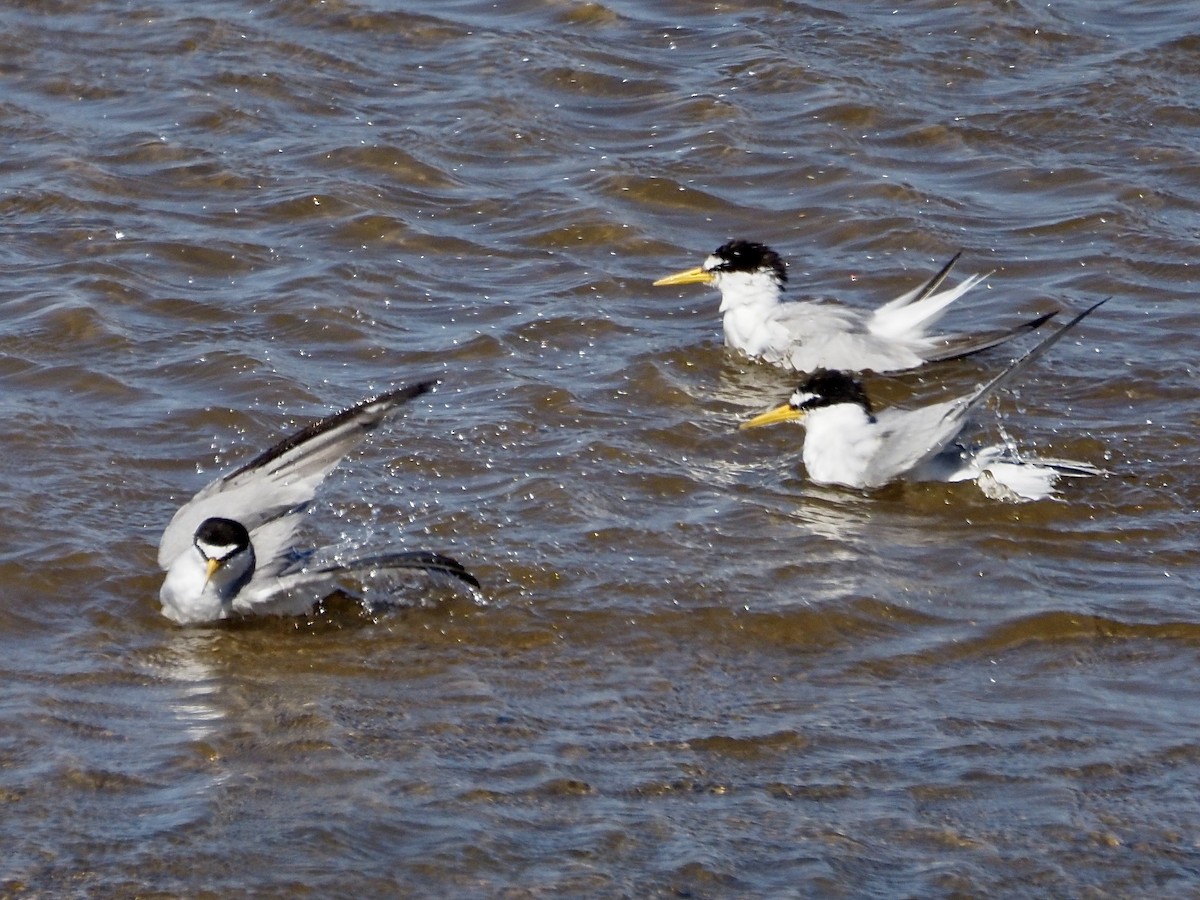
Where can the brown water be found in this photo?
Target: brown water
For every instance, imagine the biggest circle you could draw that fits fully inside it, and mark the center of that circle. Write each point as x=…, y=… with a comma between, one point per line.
x=696, y=674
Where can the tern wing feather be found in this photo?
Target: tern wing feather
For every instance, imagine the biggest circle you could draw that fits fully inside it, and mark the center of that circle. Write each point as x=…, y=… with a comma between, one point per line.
x=915, y=436
x=912, y=436
x=828, y=336
x=957, y=347
x=281, y=481
x=988, y=388
x=297, y=590
x=423, y=560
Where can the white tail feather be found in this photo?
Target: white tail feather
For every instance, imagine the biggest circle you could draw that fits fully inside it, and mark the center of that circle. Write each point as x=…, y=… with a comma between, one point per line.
x=902, y=318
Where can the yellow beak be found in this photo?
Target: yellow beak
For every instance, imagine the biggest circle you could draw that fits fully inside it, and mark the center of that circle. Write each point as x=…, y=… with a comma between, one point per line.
x=211, y=569
x=783, y=413
x=691, y=276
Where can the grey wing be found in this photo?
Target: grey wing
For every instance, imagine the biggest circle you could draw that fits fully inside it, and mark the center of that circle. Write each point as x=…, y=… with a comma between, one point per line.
x=408, y=560
x=913, y=436
x=831, y=336
x=295, y=591
x=283, y=479
x=254, y=505
x=960, y=346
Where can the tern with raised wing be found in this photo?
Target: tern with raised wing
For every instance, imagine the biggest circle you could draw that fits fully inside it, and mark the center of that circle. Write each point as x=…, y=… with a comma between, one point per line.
x=848, y=443
x=228, y=552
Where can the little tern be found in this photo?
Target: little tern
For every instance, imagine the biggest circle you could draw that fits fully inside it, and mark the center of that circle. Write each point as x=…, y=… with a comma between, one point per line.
x=847, y=443
x=228, y=551
x=807, y=335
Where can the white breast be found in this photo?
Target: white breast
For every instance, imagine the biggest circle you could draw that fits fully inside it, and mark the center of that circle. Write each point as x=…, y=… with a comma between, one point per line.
x=840, y=443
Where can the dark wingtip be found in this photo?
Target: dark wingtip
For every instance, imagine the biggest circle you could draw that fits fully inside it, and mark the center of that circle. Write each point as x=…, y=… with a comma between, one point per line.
x=413, y=559
x=369, y=412
x=1040, y=320
x=470, y=579
x=1038, y=351
x=406, y=393
x=449, y=566
x=971, y=344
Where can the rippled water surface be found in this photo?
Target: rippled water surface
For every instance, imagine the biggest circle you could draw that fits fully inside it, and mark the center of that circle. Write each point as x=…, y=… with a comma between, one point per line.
x=694, y=673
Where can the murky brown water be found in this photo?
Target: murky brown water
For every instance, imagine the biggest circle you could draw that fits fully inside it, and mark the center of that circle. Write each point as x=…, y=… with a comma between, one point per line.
x=696, y=674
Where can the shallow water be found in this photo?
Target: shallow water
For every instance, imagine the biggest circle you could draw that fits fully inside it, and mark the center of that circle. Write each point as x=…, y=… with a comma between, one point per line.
x=694, y=672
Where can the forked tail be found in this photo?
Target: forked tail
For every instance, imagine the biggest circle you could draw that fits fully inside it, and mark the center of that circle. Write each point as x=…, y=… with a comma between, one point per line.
x=911, y=314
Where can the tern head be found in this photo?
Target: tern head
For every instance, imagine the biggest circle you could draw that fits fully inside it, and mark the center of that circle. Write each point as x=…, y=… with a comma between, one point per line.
x=228, y=558
x=736, y=261
x=820, y=389
x=203, y=581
